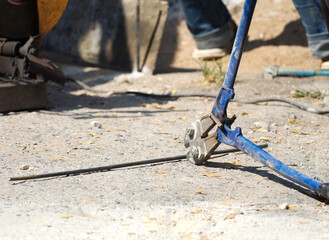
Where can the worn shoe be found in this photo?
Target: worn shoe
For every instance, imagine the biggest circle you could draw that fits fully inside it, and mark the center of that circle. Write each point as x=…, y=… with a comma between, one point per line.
x=208, y=48
x=325, y=63
x=209, y=54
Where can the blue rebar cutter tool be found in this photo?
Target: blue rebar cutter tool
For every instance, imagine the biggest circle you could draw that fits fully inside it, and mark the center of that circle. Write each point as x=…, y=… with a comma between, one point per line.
x=201, y=144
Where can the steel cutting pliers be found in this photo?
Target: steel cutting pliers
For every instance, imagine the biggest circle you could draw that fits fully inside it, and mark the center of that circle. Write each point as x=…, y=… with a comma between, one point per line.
x=201, y=144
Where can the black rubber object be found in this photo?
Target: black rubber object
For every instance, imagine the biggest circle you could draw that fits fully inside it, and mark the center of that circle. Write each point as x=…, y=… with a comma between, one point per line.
x=323, y=190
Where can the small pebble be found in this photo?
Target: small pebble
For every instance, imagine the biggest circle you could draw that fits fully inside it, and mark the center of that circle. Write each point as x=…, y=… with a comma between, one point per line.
x=284, y=206
x=262, y=125
x=292, y=116
x=326, y=100
x=96, y=124
x=24, y=167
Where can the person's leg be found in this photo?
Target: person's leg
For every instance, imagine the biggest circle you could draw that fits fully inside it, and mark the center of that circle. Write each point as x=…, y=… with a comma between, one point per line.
x=325, y=11
x=210, y=25
x=315, y=26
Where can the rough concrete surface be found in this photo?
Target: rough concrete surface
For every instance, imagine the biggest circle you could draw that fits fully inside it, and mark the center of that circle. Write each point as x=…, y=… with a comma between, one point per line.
x=231, y=197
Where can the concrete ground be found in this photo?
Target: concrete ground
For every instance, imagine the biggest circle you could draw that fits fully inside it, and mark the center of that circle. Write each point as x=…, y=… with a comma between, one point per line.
x=231, y=197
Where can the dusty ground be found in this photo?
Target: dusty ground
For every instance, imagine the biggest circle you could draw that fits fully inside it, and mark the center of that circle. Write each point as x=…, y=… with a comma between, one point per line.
x=231, y=197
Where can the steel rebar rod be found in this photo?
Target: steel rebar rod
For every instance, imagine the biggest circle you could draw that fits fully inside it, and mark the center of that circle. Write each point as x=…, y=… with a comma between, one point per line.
x=120, y=165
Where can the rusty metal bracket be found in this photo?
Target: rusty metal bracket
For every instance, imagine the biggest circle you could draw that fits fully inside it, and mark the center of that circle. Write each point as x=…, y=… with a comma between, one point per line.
x=18, y=61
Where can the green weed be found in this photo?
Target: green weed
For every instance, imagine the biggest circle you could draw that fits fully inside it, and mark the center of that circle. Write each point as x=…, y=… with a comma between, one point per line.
x=304, y=93
x=213, y=73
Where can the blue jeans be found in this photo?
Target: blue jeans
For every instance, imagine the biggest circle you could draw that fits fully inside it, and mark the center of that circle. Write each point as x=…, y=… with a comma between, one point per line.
x=209, y=23
x=316, y=30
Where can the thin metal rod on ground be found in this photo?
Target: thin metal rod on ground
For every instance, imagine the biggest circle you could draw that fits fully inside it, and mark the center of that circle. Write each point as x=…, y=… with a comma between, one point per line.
x=120, y=165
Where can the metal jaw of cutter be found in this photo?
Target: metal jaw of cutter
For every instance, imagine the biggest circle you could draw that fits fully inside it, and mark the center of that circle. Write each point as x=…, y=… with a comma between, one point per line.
x=201, y=144
x=197, y=140
x=201, y=141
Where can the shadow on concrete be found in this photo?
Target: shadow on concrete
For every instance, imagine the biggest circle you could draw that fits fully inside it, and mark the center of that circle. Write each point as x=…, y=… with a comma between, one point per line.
x=266, y=174
x=61, y=100
x=292, y=35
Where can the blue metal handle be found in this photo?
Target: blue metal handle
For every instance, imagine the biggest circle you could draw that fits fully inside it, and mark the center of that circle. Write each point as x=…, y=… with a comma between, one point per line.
x=234, y=138
x=226, y=92
x=239, y=42
x=237, y=140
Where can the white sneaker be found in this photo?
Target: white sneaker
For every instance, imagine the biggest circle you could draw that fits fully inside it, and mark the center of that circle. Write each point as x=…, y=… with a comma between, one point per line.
x=208, y=54
x=325, y=65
